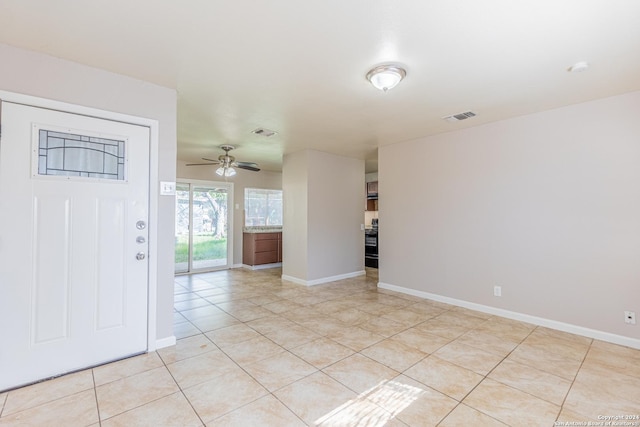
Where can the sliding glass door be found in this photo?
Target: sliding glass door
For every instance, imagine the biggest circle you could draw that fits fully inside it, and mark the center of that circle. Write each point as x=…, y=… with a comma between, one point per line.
x=203, y=237
x=183, y=219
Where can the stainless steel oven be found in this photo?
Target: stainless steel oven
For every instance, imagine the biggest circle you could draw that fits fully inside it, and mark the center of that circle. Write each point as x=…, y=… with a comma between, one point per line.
x=371, y=248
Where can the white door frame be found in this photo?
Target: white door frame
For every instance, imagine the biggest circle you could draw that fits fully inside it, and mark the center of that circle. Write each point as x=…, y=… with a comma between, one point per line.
x=153, y=126
x=230, y=204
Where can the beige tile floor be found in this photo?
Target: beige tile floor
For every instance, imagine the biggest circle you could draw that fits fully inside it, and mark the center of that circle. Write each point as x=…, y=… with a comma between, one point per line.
x=256, y=351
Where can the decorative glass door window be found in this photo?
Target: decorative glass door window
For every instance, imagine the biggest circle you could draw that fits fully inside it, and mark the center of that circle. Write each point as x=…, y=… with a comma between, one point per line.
x=70, y=154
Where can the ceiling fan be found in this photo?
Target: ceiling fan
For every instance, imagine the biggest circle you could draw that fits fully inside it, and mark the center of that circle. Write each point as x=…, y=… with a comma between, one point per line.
x=227, y=163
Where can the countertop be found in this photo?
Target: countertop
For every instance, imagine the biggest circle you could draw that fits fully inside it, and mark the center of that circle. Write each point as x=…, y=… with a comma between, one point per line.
x=262, y=229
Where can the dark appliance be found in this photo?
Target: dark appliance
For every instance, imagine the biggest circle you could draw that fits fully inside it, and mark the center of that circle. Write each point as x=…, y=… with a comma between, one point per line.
x=371, y=245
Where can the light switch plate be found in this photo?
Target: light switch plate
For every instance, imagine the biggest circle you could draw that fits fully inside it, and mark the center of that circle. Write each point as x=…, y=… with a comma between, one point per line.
x=167, y=188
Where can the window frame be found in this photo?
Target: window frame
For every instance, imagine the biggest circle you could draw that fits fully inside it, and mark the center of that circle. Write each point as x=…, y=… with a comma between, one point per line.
x=264, y=215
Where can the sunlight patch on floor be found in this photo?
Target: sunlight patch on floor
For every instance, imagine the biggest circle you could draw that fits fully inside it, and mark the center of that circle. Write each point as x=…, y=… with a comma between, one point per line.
x=373, y=408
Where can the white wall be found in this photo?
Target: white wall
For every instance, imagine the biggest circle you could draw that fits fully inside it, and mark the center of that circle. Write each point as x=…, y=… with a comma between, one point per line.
x=295, y=236
x=43, y=76
x=323, y=205
x=336, y=202
x=545, y=205
x=243, y=179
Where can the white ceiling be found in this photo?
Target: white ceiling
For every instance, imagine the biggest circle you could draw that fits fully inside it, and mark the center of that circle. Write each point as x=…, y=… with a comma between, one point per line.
x=298, y=67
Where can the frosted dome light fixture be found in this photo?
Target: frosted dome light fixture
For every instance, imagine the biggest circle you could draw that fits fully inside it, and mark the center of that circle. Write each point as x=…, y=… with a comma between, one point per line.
x=386, y=76
x=579, y=67
x=226, y=171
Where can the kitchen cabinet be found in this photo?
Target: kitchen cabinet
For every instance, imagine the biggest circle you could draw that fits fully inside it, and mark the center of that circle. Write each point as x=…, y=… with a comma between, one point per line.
x=372, y=196
x=261, y=248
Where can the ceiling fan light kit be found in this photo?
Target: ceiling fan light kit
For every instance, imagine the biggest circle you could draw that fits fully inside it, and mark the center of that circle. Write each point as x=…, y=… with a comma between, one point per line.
x=386, y=76
x=225, y=171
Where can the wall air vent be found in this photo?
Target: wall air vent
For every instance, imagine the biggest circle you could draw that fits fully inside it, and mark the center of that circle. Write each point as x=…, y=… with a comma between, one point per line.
x=460, y=116
x=264, y=132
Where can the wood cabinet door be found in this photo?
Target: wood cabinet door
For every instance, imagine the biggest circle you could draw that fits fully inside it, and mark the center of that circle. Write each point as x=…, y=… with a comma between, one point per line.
x=266, y=257
x=266, y=246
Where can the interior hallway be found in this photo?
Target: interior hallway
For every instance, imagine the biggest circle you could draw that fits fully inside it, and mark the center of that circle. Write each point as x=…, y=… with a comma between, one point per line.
x=254, y=350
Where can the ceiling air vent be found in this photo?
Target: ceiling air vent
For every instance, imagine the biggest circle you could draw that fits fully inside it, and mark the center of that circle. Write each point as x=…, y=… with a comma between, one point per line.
x=264, y=132
x=460, y=116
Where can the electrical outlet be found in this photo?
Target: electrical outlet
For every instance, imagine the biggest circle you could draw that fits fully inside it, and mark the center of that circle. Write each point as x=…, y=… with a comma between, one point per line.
x=497, y=291
x=630, y=317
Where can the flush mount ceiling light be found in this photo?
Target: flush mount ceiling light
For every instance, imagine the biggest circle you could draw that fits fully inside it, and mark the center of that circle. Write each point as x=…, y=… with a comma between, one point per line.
x=386, y=76
x=265, y=132
x=579, y=67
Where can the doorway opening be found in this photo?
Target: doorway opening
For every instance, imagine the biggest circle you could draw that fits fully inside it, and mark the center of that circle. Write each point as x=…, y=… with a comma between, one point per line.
x=203, y=221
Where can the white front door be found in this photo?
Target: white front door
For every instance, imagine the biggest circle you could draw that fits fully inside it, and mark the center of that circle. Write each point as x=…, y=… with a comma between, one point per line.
x=73, y=242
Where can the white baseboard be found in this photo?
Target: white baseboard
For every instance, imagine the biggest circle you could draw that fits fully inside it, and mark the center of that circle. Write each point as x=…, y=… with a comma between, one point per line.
x=552, y=324
x=165, y=342
x=237, y=266
x=262, y=266
x=324, y=279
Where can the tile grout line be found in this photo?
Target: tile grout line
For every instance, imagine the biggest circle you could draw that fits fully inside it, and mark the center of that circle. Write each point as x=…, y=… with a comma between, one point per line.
x=142, y=404
x=549, y=373
x=255, y=379
x=95, y=395
x=575, y=377
x=484, y=377
x=181, y=390
x=4, y=401
x=240, y=367
x=364, y=355
x=561, y=406
x=44, y=403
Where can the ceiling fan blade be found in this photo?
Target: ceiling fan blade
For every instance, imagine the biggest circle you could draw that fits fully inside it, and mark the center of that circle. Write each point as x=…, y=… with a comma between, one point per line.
x=253, y=165
x=200, y=164
x=247, y=165
x=212, y=160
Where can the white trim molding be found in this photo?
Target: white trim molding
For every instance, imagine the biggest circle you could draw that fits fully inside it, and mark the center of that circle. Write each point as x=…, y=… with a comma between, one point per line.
x=262, y=266
x=165, y=342
x=324, y=279
x=548, y=323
